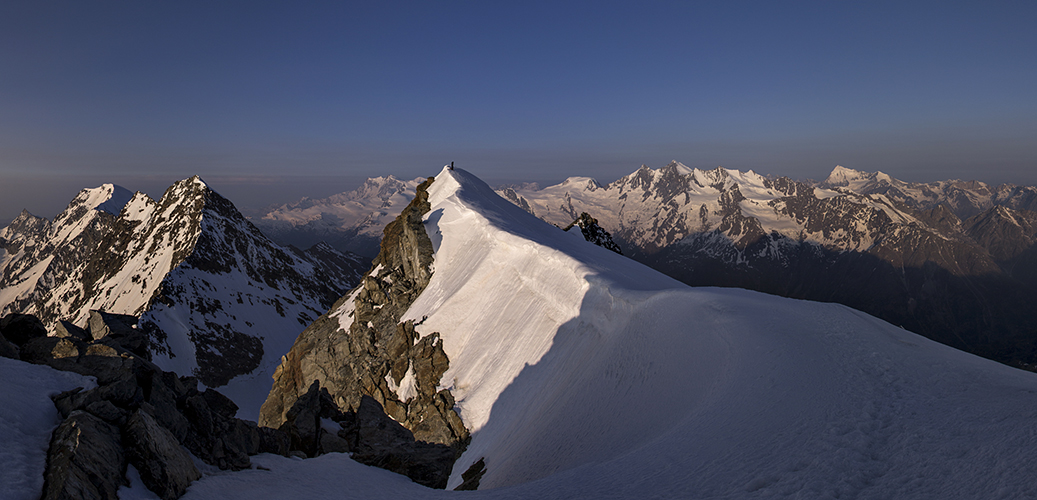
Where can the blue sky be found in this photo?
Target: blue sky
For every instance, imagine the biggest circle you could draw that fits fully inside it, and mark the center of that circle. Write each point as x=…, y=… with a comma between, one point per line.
x=272, y=101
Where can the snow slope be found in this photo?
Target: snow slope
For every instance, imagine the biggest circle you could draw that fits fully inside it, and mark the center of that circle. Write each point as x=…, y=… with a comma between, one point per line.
x=26, y=422
x=582, y=374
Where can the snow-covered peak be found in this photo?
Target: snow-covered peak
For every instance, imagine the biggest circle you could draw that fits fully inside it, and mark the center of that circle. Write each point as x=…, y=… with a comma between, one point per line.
x=842, y=176
x=118, y=196
x=585, y=183
x=679, y=167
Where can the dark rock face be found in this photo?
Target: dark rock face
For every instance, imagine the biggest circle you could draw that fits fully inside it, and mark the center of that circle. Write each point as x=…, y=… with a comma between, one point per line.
x=21, y=328
x=593, y=233
x=8, y=349
x=471, y=477
x=383, y=442
x=372, y=436
x=376, y=348
x=85, y=460
x=164, y=465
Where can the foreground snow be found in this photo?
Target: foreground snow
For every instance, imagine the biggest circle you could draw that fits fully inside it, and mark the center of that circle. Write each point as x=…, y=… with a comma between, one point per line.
x=27, y=419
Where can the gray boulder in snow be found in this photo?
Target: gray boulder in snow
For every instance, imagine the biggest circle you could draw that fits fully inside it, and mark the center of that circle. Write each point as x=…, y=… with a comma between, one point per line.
x=85, y=460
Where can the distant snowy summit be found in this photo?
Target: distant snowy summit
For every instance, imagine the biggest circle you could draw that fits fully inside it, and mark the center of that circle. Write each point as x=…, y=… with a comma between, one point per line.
x=350, y=221
x=964, y=198
x=213, y=295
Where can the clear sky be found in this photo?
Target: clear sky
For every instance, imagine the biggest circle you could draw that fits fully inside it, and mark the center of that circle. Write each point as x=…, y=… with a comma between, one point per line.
x=272, y=101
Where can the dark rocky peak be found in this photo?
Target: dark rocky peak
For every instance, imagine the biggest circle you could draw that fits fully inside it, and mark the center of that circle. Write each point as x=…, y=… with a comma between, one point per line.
x=672, y=181
x=1004, y=232
x=717, y=178
x=594, y=233
x=26, y=230
x=642, y=178
x=25, y=225
x=942, y=219
x=789, y=187
x=360, y=348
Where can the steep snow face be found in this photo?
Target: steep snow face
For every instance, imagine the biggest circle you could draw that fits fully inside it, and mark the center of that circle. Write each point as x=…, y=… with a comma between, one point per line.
x=350, y=221
x=584, y=374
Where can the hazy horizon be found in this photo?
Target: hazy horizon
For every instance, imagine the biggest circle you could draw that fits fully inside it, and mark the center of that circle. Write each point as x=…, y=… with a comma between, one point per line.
x=270, y=103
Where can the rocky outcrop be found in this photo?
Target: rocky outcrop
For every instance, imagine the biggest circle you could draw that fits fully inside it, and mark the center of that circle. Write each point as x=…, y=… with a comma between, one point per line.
x=316, y=426
x=85, y=460
x=164, y=465
x=360, y=348
x=594, y=233
x=137, y=414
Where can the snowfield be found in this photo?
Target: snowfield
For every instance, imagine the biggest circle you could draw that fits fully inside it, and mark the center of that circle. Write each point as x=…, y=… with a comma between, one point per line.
x=27, y=419
x=583, y=374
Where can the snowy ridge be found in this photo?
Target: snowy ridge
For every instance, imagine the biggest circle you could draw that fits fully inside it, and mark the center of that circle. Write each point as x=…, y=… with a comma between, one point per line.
x=575, y=343
x=582, y=374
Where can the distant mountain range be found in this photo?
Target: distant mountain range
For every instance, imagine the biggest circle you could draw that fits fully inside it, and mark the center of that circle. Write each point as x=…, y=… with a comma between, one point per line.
x=952, y=260
x=214, y=297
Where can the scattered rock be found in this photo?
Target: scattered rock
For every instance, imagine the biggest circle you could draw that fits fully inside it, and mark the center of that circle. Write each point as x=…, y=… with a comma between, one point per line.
x=85, y=460
x=66, y=329
x=118, y=330
x=471, y=477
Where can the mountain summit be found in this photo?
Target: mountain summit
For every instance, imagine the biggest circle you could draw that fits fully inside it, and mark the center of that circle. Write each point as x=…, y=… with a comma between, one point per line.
x=214, y=297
